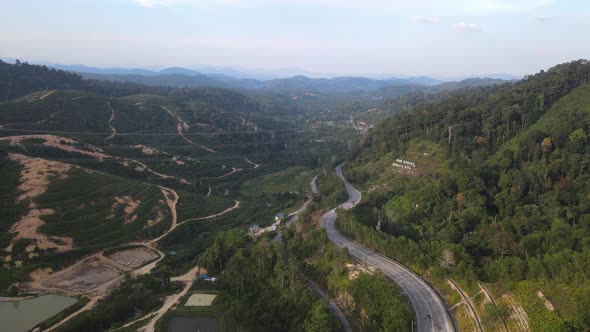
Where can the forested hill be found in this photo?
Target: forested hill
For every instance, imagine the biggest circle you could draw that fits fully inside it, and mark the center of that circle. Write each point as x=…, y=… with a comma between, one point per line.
x=21, y=78
x=500, y=191
x=497, y=113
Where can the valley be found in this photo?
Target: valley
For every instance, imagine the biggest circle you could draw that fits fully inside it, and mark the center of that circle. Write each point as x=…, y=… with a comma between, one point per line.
x=467, y=206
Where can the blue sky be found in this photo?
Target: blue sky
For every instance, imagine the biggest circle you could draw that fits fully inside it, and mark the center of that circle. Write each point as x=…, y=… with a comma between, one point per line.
x=443, y=38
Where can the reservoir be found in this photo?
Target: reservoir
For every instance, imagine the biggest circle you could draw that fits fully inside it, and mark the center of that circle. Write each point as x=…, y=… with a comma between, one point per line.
x=23, y=315
x=192, y=324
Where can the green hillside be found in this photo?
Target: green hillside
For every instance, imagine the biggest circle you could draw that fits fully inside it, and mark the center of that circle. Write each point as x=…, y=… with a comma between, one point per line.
x=513, y=209
x=99, y=153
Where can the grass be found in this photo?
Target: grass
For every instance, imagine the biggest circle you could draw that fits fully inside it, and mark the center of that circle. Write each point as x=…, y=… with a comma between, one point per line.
x=280, y=191
x=11, y=212
x=192, y=205
x=135, y=326
x=427, y=155
x=464, y=320
x=524, y=293
x=290, y=179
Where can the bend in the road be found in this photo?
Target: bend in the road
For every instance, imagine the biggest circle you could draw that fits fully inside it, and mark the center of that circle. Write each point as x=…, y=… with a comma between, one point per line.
x=431, y=312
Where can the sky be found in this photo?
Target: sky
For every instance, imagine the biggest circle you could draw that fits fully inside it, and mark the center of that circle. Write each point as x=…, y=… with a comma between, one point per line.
x=437, y=38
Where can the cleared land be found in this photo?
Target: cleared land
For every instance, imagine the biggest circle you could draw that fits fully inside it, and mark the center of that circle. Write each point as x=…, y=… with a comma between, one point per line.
x=84, y=277
x=200, y=300
x=134, y=257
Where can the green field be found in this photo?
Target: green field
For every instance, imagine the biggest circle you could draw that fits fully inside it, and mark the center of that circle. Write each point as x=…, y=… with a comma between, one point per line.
x=292, y=179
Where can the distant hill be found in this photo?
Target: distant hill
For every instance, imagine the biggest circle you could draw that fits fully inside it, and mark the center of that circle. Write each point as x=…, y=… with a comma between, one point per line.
x=180, y=77
x=171, y=79
x=466, y=83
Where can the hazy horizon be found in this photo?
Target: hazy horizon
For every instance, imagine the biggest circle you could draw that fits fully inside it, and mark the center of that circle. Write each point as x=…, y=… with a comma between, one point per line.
x=376, y=38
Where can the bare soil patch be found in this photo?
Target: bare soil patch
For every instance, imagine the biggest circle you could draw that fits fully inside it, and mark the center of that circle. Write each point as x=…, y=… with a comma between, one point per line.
x=147, y=150
x=41, y=273
x=546, y=302
x=84, y=277
x=27, y=228
x=158, y=218
x=58, y=142
x=178, y=161
x=36, y=173
x=66, y=144
x=35, y=177
x=135, y=257
x=129, y=207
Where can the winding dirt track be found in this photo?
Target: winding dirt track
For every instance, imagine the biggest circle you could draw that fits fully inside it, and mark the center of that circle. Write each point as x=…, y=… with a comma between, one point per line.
x=171, y=198
x=47, y=95
x=236, y=206
x=110, y=124
x=171, y=300
x=251, y=163
x=233, y=170
x=180, y=125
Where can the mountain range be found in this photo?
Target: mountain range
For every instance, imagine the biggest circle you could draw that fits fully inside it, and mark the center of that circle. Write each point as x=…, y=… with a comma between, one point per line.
x=236, y=79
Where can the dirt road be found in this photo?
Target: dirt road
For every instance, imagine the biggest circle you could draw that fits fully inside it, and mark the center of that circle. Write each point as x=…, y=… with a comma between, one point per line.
x=183, y=125
x=233, y=170
x=47, y=95
x=110, y=124
x=251, y=163
x=236, y=206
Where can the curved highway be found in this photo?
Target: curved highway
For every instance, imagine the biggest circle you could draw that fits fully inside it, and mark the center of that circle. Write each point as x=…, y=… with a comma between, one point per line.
x=429, y=308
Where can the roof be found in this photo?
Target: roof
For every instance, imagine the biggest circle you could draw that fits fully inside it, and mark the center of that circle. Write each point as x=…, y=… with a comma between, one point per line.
x=281, y=215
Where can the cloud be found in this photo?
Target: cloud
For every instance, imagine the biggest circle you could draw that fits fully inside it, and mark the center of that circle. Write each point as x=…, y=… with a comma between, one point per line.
x=468, y=27
x=543, y=19
x=427, y=8
x=152, y=3
x=426, y=19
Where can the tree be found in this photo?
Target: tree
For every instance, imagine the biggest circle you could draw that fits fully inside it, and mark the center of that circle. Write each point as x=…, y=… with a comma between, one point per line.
x=320, y=319
x=578, y=139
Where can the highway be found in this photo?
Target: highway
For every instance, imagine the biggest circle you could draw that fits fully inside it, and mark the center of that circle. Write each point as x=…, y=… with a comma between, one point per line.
x=430, y=310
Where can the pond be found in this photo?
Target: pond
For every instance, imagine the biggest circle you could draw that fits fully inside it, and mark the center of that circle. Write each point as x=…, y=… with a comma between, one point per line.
x=23, y=315
x=191, y=324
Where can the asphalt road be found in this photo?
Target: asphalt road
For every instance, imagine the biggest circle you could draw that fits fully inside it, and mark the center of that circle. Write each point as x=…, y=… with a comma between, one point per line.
x=428, y=306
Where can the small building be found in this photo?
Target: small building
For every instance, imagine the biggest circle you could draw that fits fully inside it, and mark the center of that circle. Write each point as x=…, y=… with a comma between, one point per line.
x=254, y=231
x=206, y=277
x=280, y=217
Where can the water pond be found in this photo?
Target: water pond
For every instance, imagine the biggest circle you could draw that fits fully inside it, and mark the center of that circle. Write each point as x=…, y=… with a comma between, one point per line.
x=23, y=315
x=191, y=324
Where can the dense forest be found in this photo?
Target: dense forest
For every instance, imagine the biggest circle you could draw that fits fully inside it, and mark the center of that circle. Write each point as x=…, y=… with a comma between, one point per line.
x=500, y=190
x=264, y=285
